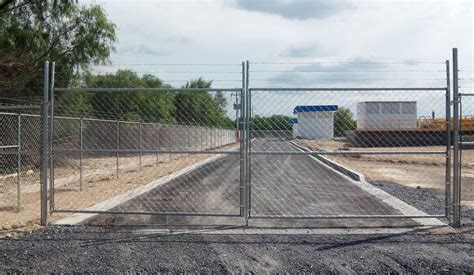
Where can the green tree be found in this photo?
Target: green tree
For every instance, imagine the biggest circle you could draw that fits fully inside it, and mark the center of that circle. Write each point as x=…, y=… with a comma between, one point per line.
x=343, y=121
x=145, y=106
x=200, y=107
x=274, y=122
x=31, y=31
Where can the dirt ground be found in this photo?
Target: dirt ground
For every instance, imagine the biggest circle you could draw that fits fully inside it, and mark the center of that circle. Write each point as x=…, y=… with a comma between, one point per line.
x=99, y=182
x=418, y=171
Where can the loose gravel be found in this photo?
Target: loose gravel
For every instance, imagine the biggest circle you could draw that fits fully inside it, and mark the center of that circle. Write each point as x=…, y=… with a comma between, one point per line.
x=98, y=249
x=429, y=200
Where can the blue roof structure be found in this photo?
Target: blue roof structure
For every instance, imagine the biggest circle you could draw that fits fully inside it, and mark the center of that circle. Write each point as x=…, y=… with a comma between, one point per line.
x=293, y=121
x=315, y=108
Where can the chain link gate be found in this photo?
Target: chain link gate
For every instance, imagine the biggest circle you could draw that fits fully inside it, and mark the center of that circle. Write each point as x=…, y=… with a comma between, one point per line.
x=288, y=179
x=264, y=168
x=103, y=162
x=292, y=172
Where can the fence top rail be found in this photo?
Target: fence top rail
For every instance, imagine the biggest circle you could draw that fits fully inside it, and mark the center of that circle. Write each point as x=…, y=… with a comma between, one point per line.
x=19, y=114
x=414, y=152
x=350, y=89
x=81, y=89
x=162, y=125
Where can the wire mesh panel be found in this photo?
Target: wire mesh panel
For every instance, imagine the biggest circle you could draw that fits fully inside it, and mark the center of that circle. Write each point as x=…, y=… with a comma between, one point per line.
x=147, y=151
x=311, y=147
x=20, y=165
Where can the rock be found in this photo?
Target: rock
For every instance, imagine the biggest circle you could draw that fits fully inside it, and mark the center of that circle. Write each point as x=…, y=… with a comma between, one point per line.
x=6, y=227
x=18, y=225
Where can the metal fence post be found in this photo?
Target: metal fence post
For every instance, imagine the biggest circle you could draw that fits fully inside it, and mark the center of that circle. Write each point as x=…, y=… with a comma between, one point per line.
x=81, y=146
x=140, y=145
x=157, y=145
x=51, y=137
x=117, y=141
x=448, y=144
x=18, y=167
x=169, y=142
x=243, y=203
x=248, y=130
x=456, y=140
x=44, y=146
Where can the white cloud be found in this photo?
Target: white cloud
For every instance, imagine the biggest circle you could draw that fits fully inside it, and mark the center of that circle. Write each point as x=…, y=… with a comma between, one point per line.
x=224, y=32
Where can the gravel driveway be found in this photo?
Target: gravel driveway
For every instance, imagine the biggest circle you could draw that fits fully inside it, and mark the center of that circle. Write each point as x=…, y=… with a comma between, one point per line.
x=97, y=249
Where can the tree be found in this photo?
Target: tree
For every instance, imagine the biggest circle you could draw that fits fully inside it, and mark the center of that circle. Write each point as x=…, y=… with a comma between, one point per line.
x=200, y=107
x=343, y=121
x=274, y=122
x=63, y=31
x=144, y=106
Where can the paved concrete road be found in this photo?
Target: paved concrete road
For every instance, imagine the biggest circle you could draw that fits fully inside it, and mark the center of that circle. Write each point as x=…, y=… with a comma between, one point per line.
x=282, y=185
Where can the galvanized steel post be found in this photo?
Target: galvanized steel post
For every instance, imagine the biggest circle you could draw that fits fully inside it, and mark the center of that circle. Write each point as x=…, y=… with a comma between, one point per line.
x=18, y=167
x=81, y=146
x=456, y=140
x=248, y=140
x=448, y=144
x=241, y=128
x=140, y=144
x=44, y=146
x=51, y=139
x=157, y=145
x=117, y=141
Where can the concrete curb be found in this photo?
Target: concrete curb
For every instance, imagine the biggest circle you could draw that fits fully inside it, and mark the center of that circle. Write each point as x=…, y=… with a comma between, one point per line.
x=334, y=165
x=394, y=202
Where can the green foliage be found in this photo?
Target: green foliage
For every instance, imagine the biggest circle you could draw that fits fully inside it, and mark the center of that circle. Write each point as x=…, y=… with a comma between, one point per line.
x=200, y=107
x=343, y=121
x=185, y=107
x=274, y=122
x=63, y=31
x=144, y=106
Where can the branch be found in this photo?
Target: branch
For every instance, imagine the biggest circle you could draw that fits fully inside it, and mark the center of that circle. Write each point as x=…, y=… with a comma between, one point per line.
x=56, y=39
x=8, y=2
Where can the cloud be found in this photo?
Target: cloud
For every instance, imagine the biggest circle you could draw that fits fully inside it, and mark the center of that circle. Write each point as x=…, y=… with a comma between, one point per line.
x=142, y=49
x=304, y=51
x=356, y=73
x=295, y=9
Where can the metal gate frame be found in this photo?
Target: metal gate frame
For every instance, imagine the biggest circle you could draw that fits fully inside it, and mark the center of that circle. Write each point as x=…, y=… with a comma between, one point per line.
x=251, y=153
x=450, y=205
x=457, y=142
x=47, y=179
x=245, y=152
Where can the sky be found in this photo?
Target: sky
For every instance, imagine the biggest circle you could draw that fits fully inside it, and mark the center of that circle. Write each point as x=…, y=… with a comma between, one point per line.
x=300, y=43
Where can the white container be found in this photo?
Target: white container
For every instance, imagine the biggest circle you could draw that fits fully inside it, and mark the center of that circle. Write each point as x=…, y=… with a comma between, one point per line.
x=386, y=115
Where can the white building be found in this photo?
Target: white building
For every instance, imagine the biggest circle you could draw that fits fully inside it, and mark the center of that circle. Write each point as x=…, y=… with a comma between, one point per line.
x=386, y=115
x=294, y=124
x=314, y=122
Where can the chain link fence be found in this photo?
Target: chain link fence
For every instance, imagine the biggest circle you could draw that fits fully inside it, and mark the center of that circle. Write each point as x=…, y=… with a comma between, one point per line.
x=285, y=150
x=106, y=165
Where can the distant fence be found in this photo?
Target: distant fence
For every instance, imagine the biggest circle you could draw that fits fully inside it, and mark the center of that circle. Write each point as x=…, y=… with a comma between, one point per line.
x=20, y=141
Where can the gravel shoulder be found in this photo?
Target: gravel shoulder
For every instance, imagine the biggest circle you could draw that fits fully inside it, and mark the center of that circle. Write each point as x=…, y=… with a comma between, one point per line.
x=120, y=249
